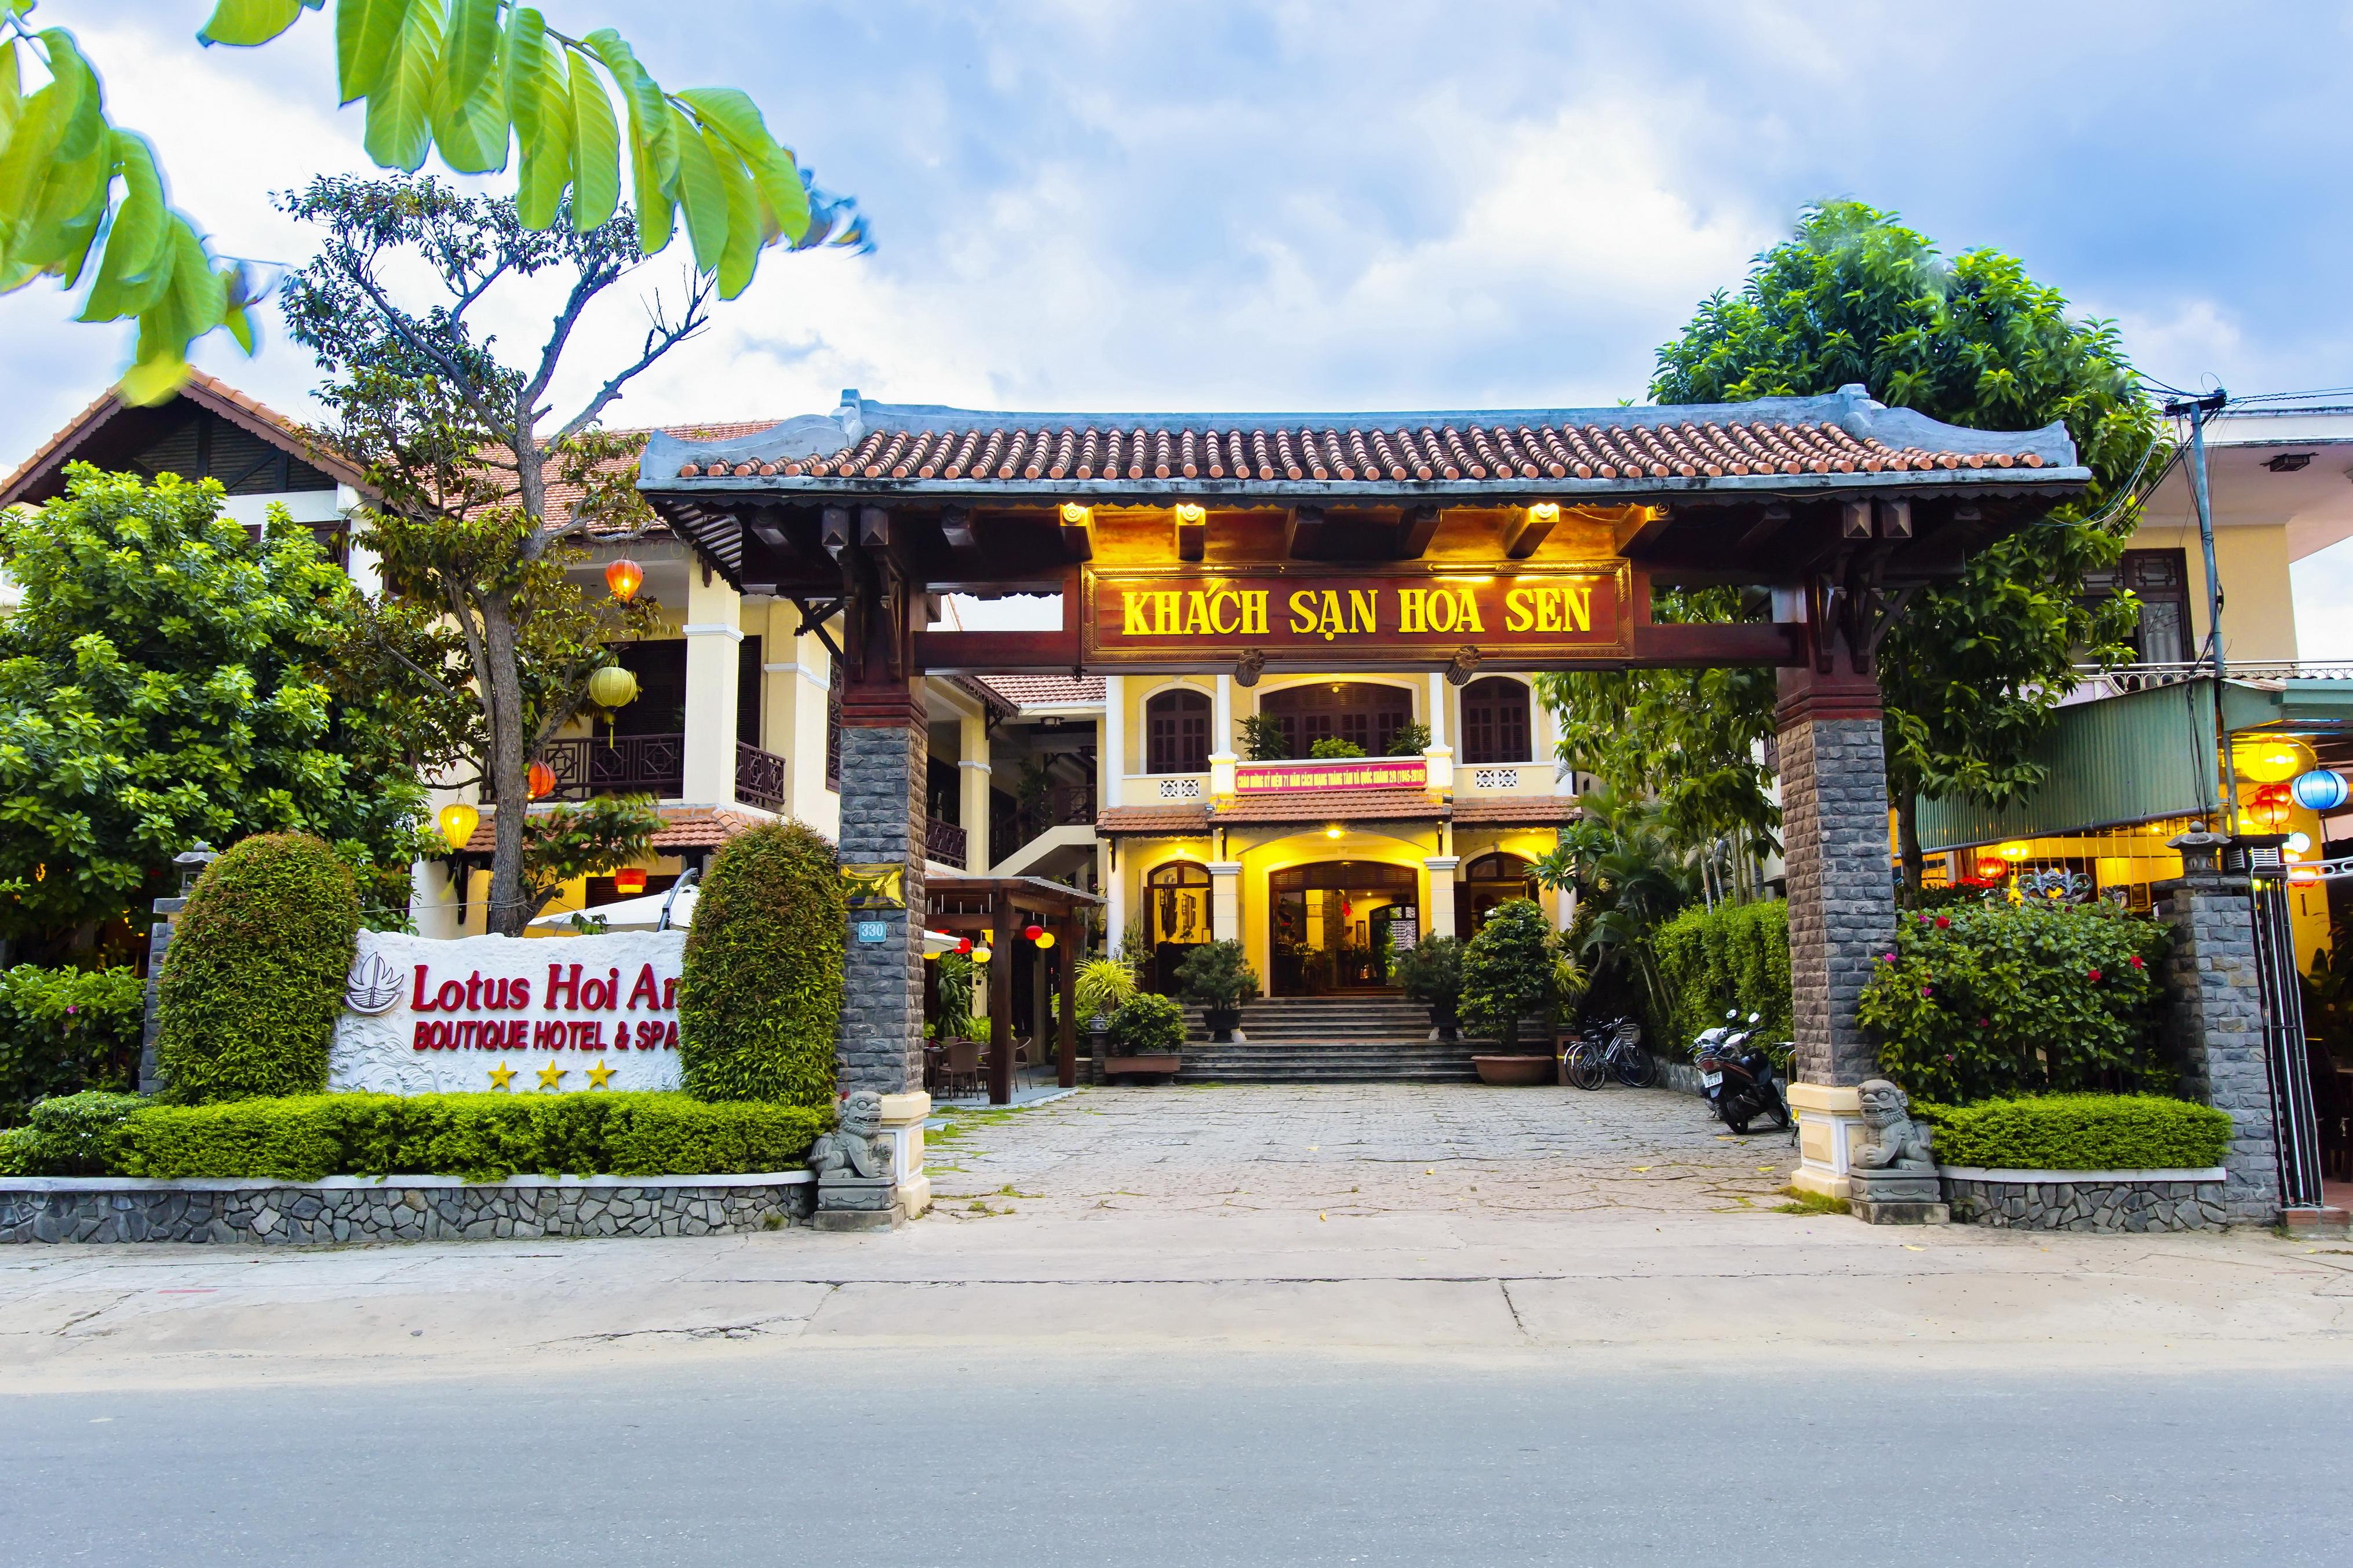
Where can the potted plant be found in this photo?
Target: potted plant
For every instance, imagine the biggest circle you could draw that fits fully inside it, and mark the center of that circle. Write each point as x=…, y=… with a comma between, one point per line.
x=1432, y=973
x=1102, y=985
x=1508, y=973
x=1217, y=977
x=1146, y=1035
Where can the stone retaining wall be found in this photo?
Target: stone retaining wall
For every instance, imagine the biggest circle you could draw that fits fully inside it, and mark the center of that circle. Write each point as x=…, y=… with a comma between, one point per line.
x=2087, y=1200
x=400, y=1208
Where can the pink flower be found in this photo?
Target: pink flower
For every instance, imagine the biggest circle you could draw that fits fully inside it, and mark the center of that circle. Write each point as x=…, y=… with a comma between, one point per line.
x=1887, y=958
x=1925, y=990
x=2095, y=974
x=71, y=1010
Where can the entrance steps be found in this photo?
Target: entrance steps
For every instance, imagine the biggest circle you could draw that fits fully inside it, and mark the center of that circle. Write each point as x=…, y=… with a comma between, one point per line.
x=1331, y=1039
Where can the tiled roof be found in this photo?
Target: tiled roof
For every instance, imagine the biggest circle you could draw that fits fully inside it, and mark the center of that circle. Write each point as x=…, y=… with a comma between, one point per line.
x=1514, y=811
x=684, y=827
x=1047, y=690
x=1152, y=821
x=1336, y=805
x=561, y=497
x=1842, y=433
x=206, y=392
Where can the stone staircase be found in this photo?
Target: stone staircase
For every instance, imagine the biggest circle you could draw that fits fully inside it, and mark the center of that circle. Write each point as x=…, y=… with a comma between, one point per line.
x=1333, y=1039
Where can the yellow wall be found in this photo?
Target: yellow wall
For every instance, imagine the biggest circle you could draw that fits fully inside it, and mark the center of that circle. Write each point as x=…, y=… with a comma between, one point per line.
x=2258, y=605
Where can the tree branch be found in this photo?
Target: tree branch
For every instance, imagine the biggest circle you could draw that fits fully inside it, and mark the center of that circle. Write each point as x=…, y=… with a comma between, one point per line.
x=659, y=340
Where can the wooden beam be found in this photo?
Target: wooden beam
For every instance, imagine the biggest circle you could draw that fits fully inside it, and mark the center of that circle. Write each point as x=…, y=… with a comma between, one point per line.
x=1078, y=532
x=1071, y=934
x=875, y=528
x=833, y=529
x=997, y=653
x=955, y=528
x=766, y=523
x=1193, y=535
x=1525, y=534
x=1774, y=521
x=1642, y=535
x=1000, y=1001
x=1414, y=531
x=1299, y=521
x=1706, y=645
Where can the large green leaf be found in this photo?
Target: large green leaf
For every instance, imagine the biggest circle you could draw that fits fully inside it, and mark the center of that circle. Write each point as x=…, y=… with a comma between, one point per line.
x=525, y=61
x=367, y=32
x=469, y=106
x=399, y=127
x=784, y=200
x=653, y=141
x=12, y=92
x=249, y=22
x=700, y=190
x=195, y=304
x=739, y=254
x=596, y=138
x=136, y=268
x=547, y=142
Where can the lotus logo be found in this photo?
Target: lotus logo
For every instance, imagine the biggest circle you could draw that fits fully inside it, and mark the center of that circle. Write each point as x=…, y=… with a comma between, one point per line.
x=373, y=987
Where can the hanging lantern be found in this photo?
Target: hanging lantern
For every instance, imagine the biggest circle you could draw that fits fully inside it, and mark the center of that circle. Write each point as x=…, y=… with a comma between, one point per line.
x=612, y=686
x=1044, y=938
x=2322, y=789
x=1032, y=933
x=539, y=781
x=2270, y=805
x=630, y=881
x=964, y=945
x=457, y=821
x=1993, y=867
x=2016, y=849
x=2269, y=761
x=625, y=577
x=982, y=953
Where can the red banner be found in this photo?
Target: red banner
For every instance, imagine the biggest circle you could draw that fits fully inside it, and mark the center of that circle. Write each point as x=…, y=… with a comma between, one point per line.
x=1353, y=772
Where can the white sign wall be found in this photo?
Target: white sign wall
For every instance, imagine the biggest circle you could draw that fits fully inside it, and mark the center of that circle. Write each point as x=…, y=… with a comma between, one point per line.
x=557, y=1015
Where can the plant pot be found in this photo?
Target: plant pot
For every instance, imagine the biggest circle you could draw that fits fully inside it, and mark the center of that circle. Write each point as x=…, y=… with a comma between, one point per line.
x=1153, y=1066
x=1514, y=1073
x=1222, y=1022
x=1444, y=1023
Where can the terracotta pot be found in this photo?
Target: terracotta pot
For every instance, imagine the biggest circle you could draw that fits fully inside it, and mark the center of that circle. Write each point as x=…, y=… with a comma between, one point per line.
x=1157, y=1065
x=1514, y=1073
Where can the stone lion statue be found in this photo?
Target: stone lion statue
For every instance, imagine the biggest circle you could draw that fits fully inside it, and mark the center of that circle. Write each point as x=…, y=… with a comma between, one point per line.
x=854, y=1147
x=1899, y=1142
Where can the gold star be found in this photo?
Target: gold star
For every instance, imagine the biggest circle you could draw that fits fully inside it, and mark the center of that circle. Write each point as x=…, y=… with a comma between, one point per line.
x=599, y=1074
x=500, y=1073
x=551, y=1076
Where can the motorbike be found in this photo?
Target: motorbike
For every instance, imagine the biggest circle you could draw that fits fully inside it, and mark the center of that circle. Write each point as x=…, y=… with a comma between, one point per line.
x=1736, y=1074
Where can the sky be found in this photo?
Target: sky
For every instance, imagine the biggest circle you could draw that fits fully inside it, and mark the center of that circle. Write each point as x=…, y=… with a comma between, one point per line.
x=1331, y=207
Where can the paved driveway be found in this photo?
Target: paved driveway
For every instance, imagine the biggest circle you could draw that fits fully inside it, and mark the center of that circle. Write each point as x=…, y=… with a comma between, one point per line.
x=1355, y=1149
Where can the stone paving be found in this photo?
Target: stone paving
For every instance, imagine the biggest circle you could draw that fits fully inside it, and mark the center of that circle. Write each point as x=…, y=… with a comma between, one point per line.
x=1354, y=1149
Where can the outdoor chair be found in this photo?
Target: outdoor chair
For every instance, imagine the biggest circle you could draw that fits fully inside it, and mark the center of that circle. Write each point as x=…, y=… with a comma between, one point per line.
x=962, y=1072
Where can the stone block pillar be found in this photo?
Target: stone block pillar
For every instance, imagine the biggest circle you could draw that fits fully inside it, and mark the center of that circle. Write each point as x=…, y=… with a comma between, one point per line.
x=2214, y=1024
x=884, y=744
x=1841, y=901
x=715, y=634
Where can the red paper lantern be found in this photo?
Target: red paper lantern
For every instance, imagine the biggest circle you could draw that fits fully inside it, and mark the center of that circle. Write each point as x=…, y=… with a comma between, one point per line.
x=538, y=780
x=964, y=944
x=625, y=577
x=1032, y=933
x=630, y=881
x=1993, y=867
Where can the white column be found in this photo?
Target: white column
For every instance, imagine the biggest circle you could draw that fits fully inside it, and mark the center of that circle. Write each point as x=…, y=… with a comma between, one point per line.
x=780, y=687
x=1437, y=719
x=1115, y=738
x=1226, y=900
x=433, y=900
x=713, y=634
x=1221, y=740
x=1439, y=919
x=1437, y=759
x=1116, y=904
x=972, y=796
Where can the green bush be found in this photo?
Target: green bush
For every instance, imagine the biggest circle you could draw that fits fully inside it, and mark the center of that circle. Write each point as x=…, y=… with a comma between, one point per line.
x=1217, y=975
x=1262, y=738
x=1332, y=749
x=1507, y=970
x=481, y=1137
x=1733, y=955
x=1978, y=1004
x=760, y=1002
x=1412, y=739
x=1147, y=1026
x=254, y=977
x=1431, y=972
x=1103, y=987
x=2080, y=1133
x=64, y=1030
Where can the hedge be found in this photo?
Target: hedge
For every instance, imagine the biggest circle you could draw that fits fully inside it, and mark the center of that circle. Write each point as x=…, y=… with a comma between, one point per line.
x=1732, y=956
x=759, y=1002
x=2080, y=1133
x=65, y=1030
x=254, y=977
x=481, y=1137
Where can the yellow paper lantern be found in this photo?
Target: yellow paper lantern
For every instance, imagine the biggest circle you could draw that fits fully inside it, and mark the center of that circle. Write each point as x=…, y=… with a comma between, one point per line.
x=2016, y=849
x=2269, y=761
x=612, y=686
x=982, y=953
x=1045, y=939
x=457, y=821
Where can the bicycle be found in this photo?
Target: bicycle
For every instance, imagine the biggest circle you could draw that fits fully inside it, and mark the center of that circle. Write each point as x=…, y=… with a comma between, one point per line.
x=1611, y=1048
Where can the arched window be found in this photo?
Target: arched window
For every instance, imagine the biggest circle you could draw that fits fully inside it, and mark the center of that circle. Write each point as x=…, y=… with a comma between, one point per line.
x=1496, y=720
x=1364, y=711
x=1178, y=916
x=1176, y=732
x=1496, y=867
x=1487, y=881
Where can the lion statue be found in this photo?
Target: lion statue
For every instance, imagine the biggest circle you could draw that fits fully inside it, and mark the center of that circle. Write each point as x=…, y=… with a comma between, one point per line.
x=1900, y=1143
x=854, y=1147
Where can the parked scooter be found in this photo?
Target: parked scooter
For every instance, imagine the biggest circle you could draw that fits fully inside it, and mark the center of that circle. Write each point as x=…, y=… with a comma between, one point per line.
x=1736, y=1074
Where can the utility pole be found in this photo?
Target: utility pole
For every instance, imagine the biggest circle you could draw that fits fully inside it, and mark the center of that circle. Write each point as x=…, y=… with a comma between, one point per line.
x=2199, y=410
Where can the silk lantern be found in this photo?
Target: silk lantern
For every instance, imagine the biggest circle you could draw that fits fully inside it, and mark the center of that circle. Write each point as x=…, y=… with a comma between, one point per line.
x=457, y=821
x=630, y=881
x=539, y=781
x=2322, y=789
x=623, y=577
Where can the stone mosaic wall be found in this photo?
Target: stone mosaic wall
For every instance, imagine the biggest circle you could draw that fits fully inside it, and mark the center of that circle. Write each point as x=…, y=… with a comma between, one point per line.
x=2214, y=1026
x=1841, y=899
x=294, y=1214
x=881, y=1045
x=2088, y=1205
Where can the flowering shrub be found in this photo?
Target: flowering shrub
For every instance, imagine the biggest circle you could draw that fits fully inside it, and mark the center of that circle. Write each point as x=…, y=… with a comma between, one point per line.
x=1976, y=1003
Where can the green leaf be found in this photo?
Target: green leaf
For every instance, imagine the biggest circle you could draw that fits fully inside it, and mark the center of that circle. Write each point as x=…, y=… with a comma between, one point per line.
x=12, y=92
x=248, y=22
x=366, y=34
x=700, y=190
x=784, y=199
x=469, y=107
x=595, y=139
x=136, y=268
x=398, y=129
x=545, y=138
x=739, y=255
x=654, y=140
x=525, y=61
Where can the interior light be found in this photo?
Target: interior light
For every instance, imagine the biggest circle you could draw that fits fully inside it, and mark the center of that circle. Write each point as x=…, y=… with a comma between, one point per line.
x=1331, y=833
x=2016, y=849
x=1546, y=512
x=2270, y=762
x=983, y=953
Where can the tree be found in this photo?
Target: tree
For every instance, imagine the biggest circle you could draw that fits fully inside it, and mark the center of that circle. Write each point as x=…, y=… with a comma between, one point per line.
x=476, y=80
x=168, y=678
x=480, y=630
x=1507, y=970
x=1975, y=670
x=761, y=998
x=1629, y=877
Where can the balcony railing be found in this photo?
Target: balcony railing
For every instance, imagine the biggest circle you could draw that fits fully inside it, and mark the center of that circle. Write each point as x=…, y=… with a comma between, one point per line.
x=945, y=843
x=655, y=766
x=1058, y=806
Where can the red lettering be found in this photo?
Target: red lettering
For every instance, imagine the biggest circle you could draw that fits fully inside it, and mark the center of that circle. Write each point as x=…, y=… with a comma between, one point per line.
x=518, y=992
x=584, y=1036
x=515, y=1027
x=450, y=998
x=440, y=1035
x=612, y=989
x=474, y=989
x=646, y=987
x=543, y=1033
x=621, y=1037
x=423, y=1028
x=419, y=1001
x=669, y=995
x=596, y=996
x=669, y=1037
x=563, y=985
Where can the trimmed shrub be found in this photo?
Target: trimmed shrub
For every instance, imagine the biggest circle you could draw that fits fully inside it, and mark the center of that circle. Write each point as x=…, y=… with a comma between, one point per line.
x=1217, y=975
x=760, y=1001
x=1332, y=749
x=1732, y=956
x=65, y=1030
x=254, y=977
x=1148, y=1025
x=1431, y=972
x=1507, y=970
x=2007, y=999
x=2080, y=1133
x=481, y=1137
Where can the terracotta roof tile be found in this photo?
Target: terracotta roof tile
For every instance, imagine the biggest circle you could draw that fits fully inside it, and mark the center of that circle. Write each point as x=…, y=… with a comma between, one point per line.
x=1514, y=811
x=206, y=391
x=1152, y=821
x=1335, y=806
x=1046, y=690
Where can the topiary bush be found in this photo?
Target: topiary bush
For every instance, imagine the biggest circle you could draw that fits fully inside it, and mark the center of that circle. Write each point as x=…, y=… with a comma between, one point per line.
x=1507, y=970
x=1733, y=955
x=2080, y=1133
x=1332, y=749
x=1978, y=1004
x=759, y=1002
x=64, y=1030
x=1148, y=1025
x=254, y=977
x=1217, y=975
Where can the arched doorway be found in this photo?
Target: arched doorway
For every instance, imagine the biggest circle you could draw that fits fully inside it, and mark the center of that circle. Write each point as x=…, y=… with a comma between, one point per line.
x=1487, y=881
x=1332, y=925
x=1179, y=918
x=1365, y=712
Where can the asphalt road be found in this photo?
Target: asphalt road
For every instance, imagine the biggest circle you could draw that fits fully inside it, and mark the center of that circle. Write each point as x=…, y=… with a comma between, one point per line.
x=936, y=1454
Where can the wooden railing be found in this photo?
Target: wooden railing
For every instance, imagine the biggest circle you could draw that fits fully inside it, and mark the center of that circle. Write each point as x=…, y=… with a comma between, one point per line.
x=946, y=843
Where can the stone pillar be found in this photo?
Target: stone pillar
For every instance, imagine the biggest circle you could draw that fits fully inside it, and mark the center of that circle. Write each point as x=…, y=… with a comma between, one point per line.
x=884, y=742
x=713, y=634
x=972, y=794
x=1437, y=919
x=2214, y=1024
x=1841, y=902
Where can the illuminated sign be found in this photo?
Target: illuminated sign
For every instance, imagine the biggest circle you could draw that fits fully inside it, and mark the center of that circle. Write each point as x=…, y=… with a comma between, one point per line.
x=1353, y=772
